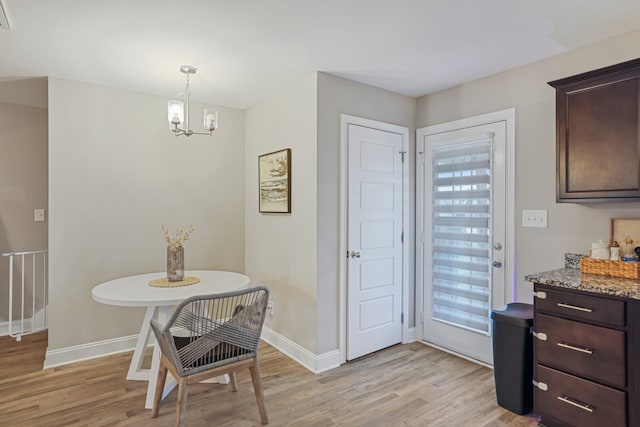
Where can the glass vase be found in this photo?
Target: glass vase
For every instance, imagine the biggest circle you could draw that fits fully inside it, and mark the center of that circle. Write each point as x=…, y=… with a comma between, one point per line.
x=175, y=263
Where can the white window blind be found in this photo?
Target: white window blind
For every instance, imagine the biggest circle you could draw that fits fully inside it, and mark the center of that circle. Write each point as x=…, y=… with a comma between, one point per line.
x=461, y=234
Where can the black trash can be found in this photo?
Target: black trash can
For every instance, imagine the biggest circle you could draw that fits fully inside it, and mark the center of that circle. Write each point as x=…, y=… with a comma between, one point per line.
x=513, y=356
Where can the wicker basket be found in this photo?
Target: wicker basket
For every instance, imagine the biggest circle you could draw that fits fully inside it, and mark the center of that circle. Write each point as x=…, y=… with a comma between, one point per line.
x=603, y=267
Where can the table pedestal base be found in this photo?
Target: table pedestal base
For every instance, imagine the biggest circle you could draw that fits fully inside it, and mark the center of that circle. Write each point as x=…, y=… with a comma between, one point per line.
x=137, y=373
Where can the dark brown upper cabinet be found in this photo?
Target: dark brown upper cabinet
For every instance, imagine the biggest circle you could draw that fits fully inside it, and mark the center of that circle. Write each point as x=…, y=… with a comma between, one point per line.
x=598, y=135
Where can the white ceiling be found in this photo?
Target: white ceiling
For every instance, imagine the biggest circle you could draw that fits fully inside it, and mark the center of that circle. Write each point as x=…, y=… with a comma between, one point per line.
x=247, y=50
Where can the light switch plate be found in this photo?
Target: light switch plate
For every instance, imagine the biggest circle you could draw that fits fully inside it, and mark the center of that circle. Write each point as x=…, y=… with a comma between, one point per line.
x=39, y=215
x=534, y=218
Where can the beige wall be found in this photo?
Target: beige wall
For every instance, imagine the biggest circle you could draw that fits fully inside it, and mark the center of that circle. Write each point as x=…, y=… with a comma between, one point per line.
x=280, y=249
x=297, y=255
x=29, y=92
x=23, y=181
x=111, y=189
x=341, y=96
x=571, y=226
x=116, y=174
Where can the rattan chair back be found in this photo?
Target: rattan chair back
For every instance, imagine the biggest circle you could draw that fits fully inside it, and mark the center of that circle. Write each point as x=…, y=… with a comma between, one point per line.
x=211, y=332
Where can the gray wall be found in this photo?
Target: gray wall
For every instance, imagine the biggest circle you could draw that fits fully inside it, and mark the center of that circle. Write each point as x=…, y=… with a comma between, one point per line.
x=571, y=226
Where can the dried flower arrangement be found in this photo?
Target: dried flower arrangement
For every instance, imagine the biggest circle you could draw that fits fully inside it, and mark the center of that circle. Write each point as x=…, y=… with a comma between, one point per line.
x=181, y=236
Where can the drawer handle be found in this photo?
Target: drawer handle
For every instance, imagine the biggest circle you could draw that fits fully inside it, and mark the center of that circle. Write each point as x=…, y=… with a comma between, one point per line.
x=540, y=294
x=586, y=350
x=572, y=402
x=575, y=307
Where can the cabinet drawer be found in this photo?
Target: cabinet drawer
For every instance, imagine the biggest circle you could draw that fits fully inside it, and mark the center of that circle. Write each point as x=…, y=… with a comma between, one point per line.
x=591, y=351
x=586, y=307
x=578, y=402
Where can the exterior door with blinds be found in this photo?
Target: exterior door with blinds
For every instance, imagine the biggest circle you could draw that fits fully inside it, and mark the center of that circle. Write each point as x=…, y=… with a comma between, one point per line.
x=463, y=236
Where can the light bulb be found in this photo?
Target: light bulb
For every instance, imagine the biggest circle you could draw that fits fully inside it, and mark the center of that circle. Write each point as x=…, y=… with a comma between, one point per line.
x=210, y=120
x=175, y=112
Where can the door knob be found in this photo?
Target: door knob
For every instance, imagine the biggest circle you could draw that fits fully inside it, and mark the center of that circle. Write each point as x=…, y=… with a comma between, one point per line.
x=355, y=254
x=497, y=264
x=497, y=246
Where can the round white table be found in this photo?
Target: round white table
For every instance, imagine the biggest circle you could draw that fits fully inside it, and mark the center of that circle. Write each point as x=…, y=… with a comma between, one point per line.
x=135, y=291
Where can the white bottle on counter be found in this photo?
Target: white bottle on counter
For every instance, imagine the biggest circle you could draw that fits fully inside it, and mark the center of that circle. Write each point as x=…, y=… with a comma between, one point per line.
x=615, y=253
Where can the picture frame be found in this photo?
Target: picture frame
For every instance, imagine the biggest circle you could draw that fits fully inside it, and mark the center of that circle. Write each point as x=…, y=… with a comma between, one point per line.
x=623, y=228
x=274, y=182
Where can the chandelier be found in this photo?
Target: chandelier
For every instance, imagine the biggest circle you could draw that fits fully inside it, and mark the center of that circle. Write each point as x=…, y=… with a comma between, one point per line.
x=178, y=111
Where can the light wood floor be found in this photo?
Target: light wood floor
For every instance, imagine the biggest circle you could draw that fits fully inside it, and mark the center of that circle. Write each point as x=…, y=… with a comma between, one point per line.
x=404, y=385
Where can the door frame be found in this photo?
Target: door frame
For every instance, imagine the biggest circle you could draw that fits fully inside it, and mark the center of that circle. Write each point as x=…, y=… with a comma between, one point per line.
x=345, y=121
x=511, y=282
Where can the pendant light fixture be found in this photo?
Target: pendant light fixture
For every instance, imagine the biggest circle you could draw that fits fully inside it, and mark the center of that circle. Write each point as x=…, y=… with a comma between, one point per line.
x=178, y=111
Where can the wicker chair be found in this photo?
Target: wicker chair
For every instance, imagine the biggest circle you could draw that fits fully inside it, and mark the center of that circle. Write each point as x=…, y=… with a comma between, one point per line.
x=212, y=335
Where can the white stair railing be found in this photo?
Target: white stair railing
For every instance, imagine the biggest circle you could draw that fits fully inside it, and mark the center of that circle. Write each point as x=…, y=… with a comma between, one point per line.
x=35, y=295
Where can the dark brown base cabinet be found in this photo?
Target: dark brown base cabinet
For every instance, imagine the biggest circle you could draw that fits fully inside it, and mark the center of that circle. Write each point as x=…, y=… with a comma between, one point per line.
x=586, y=358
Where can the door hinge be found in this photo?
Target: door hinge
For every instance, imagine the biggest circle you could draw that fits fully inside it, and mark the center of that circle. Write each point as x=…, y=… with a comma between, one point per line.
x=422, y=317
x=402, y=153
x=402, y=237
x=402, y=318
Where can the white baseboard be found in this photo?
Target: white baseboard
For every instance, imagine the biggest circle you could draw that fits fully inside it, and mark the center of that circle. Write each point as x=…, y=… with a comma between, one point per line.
x=4, y=327
x=455, y=353
x=316, y=363
x=410, y=337
x=77, y=353
x=29, y=325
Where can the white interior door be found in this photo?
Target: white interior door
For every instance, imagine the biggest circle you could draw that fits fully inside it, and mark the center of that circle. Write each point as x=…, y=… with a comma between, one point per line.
x=374, y=241
x=463, y=193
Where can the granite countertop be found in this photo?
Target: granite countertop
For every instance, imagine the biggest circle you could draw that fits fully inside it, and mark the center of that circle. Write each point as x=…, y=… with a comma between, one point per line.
x=570, y=277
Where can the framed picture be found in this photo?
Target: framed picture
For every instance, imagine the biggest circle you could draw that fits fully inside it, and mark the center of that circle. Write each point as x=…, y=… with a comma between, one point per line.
x=274, y=182
x=625, y=231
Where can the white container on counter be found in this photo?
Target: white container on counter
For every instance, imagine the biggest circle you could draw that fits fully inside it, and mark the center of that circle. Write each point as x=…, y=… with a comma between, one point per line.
x=600, y=250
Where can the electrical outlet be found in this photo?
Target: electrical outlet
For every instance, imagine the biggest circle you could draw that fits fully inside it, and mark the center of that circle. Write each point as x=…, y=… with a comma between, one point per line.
x=534, y=218
x=270, y=308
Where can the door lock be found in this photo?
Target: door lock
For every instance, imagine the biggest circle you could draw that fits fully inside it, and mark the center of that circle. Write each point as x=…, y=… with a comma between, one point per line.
x=497, y=264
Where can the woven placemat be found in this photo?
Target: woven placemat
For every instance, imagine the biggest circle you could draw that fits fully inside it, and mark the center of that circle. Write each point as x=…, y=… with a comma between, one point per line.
x=165, y=283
